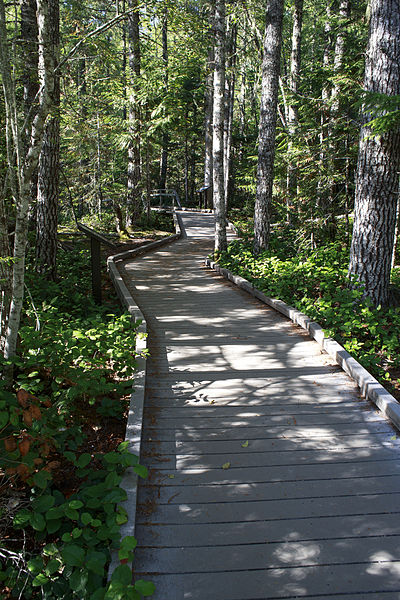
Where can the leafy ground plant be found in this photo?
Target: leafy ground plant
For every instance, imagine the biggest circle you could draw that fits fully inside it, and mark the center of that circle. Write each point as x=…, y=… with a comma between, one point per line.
x=315, y=283
x=62, y=454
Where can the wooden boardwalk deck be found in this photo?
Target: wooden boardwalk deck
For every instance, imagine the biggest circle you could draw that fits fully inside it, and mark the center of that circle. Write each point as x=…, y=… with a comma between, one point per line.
x=269, y=477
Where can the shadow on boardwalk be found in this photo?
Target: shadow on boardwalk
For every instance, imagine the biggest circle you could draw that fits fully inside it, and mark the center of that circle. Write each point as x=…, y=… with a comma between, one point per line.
x=269, y=476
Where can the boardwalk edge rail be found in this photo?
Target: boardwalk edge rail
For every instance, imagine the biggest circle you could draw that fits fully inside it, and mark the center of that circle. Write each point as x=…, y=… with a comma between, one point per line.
x=370, y=388
x=134, y=424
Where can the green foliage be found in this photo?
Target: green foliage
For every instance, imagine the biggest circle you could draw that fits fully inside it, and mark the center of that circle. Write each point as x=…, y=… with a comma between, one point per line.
x=316, y=283
x=76, y=368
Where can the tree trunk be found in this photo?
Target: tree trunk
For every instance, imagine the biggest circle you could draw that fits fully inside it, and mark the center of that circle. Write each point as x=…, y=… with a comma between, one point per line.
x=49, y=167
x=133, y=208
x=165, y=135
x=26, y=161
x=293, y=113
x=267, y=125
x=229, y=99
x=29, y=51
x=377, y=179
x=5, y=272
x=30, y=80
x=208, y=121
x=218, y=127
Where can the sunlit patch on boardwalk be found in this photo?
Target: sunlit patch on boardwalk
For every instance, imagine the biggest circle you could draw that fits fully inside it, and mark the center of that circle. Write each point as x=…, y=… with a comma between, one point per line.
x=269, y=476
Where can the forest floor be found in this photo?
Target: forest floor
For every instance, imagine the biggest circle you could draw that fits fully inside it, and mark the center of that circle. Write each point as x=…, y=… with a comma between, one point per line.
x=68, y=408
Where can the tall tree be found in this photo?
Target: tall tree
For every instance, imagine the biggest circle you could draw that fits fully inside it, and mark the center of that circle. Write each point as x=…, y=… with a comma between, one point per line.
x=230, y=81
x=218, y=127
x=208, y=119
x=165, y=135
x=267, y=125
x=26, y=159
x=133, y=208
x=377, y=180
x=293, y=113
x=49, y=166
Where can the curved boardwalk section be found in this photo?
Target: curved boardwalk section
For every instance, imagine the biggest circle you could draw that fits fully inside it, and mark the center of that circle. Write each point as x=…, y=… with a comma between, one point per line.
x=269, y=476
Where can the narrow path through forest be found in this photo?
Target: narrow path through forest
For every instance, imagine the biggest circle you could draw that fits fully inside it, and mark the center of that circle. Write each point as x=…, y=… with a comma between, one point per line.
x=269, y=476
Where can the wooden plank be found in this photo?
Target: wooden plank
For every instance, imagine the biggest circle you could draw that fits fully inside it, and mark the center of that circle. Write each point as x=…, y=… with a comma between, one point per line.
x=309, y=506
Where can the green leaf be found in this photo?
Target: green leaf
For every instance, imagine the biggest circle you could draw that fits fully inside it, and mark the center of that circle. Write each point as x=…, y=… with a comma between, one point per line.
x=141, y=471
x=54, y=513
x=78, y=580
x=35, y=565
x=129, y=542
x=52, y=566
x=73, y=555
x=40, y=580
x=75, y=504
x=146, y=588
x=22, y=517
x=121, y=518
x=112, y=480
x=98, y=595
x=43, y=503
x=76, y=533
x=95, y=562
x=53, y=525
x=50, y=550
x=123, y=446
x=83, y=460
x=40, y=479
x=122, y=574
x=86, y=518
x=112, y=458
x=226, y=465
x=70, y=456
x=71, y=514
x=37, y=521
x=245, y=444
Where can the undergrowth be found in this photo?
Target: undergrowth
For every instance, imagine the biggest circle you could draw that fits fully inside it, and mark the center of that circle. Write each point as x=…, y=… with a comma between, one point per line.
x=315, y=283
x=61, y=451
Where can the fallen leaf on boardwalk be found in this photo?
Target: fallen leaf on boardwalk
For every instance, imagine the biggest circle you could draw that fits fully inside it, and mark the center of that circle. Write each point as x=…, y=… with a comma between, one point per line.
x=171, y=476
x=394, y=437
x=245, y=444
x=211, y=401
x=226, y=465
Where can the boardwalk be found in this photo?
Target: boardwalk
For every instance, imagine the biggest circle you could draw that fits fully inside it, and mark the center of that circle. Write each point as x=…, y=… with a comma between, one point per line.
x=269, y=477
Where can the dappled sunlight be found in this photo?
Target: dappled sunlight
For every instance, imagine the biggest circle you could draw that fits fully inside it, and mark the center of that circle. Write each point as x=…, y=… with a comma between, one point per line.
x=267, y=470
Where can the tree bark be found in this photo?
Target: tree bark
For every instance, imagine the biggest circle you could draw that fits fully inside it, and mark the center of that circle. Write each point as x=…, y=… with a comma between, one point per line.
x=218, y=127
x=5, y=272
x=230, y=82
x=208, y=120
x=267, y=125
x=165, y=135
x=26, y=161
x=377, y=179
x=293, y=113
x=49, y=167
x=29, y=57
x=133, y=208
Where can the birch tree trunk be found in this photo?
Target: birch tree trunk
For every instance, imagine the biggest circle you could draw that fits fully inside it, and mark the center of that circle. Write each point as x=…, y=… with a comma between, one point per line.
x=218, y=127
x=230, y=82
x=5, y=272
x=26, y=161
x=133, y=208
x=293, y=114
x=165, y=135
x=377, y=178
x=49, y=167
x=267, y=125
